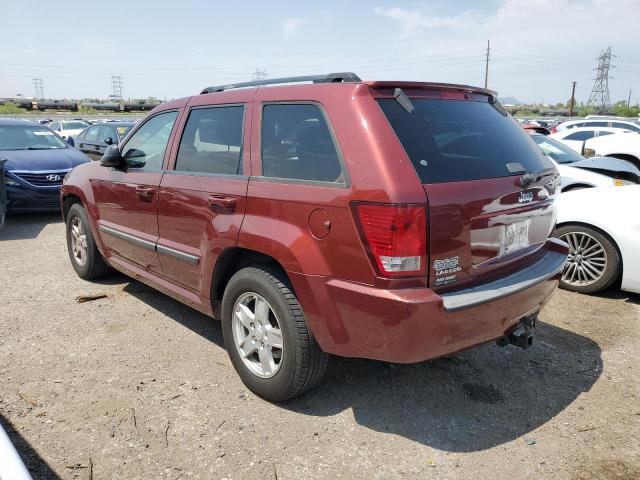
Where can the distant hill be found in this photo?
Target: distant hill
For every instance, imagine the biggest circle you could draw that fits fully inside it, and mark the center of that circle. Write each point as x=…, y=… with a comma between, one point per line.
x=509, y=101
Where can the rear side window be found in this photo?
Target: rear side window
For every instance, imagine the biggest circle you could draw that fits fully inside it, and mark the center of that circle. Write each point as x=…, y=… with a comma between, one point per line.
x=457, y=140
x=585, y=135
x=212, y=141
x=597, y=124
x=626, y=126
x=297, y=144
x=92, y=134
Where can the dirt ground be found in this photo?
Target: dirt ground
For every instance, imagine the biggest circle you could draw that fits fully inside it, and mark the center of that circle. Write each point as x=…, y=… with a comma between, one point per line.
x=139, y=386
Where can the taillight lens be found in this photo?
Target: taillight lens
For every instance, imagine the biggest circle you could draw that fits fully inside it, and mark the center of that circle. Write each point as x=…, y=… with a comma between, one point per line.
x=553, y=130
x=395, y=236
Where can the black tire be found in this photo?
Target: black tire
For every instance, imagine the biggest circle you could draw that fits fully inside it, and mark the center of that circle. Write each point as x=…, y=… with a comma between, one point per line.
x=612, y=255
x=303, y=363
x=95, y=266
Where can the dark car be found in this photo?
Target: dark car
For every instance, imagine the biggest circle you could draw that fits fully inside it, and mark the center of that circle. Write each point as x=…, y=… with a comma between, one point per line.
x=399, y=221
x=36, y=162
x=609, y=166
x=94, y=140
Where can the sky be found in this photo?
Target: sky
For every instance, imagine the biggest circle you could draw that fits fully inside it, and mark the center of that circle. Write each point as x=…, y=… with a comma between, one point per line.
x=171, y=49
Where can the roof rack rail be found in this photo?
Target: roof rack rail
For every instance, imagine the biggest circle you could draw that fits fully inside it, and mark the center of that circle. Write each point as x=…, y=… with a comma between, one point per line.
x=328, y=78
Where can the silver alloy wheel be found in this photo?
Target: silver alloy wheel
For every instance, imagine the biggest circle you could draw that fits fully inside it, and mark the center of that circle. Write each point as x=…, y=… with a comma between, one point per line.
x=257, y=335
x=587, y=262
x=78, y=241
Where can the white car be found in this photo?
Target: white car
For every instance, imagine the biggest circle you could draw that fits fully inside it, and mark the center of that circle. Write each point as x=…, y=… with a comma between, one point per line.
x=68, y=129
x=620, y=145
x=603, y=236
x=575, y=137
x=599, y=122
x=578, y=172
x=11, y=466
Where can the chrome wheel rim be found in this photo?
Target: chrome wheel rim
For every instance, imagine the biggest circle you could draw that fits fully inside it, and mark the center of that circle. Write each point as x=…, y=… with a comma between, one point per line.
x=78, y=241
x=587, y=261
x=257, y=335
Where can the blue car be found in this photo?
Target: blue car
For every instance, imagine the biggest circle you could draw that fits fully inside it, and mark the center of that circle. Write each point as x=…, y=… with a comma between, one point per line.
x=36, y=162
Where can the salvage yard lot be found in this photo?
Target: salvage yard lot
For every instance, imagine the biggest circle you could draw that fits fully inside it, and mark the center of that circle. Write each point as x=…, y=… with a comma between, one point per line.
x=137, y=385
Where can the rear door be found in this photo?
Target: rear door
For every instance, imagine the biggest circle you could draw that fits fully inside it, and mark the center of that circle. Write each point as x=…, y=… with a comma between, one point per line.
x=203, y=193
x=488, y=185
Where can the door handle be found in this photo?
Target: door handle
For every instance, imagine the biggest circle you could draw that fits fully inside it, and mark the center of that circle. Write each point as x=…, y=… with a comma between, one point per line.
x=222, y=203
x=145, y=193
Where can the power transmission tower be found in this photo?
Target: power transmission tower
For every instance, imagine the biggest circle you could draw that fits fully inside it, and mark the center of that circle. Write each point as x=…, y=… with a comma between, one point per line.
x=486, y=65
x=572, y=102
x=600, y=93
x=259, y=75
x=116, y=88
x=39, y=86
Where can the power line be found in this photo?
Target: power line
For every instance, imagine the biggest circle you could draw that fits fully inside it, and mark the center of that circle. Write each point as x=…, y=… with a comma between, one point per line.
x=600, y=93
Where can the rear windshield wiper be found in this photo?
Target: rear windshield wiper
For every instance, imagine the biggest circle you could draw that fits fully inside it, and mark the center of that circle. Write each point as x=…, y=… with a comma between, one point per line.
x=403, y=100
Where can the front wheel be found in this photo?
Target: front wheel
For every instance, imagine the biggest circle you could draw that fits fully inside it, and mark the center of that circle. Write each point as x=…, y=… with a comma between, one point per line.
x=83, y=252
x=594, y=262
x=266, y=335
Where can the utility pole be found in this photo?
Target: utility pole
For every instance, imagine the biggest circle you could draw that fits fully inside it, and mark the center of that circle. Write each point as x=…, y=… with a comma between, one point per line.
x=629, y=99
x=572, y=102
x=39, y=86
x=486, y=65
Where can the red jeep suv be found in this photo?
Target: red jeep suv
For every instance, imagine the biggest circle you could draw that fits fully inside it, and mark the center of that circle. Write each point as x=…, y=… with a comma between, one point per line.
x=398, y=221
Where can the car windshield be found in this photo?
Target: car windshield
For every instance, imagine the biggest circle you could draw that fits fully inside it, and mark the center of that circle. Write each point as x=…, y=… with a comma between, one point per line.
x=557, y=151
x=123, y=130
x=74, y=125
x=27, y=137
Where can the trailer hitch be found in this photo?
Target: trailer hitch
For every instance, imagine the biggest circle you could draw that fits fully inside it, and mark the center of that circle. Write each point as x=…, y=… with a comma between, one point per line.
x=522, y=335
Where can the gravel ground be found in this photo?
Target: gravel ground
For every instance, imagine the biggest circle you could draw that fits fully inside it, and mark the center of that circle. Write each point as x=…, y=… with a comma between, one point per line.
x=137, y=385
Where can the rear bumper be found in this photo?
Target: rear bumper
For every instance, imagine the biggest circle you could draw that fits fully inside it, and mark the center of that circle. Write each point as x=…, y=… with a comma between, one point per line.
x=416, y=324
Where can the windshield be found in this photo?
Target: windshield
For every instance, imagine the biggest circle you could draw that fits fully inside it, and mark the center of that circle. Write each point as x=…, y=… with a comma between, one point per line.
x=453, y=140
x=74, y=125
x=123, y=130
x=557, y=151
x=26, y=137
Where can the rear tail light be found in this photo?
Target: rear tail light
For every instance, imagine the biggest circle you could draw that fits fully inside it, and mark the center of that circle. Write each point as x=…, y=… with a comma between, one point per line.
x=395, y=237
x=553, y=130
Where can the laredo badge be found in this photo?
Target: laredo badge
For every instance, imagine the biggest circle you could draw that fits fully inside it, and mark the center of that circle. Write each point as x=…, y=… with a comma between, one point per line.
x=446, y=270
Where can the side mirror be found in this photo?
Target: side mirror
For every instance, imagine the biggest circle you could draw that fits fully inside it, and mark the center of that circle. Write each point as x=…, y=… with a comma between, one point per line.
x=108, y=141
x=112, y=157
x=134, y=158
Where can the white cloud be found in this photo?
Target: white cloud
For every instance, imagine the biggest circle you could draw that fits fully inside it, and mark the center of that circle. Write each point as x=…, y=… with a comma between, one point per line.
x=419, y=18
x=290, y=25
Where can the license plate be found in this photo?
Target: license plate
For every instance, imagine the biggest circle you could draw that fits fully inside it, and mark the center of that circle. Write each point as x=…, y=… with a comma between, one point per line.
x=515, y=236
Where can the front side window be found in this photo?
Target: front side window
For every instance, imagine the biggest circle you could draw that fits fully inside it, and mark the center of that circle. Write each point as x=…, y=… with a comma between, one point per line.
x=148, y=144
x=106, y=131
x=92, y=134
x=555, y=150
x=26, y=137
x=297, y=144
x=212, y=141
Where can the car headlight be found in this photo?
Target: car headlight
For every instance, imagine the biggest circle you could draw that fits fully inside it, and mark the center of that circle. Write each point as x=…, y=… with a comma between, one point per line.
x=621, y=183
x=11, y=183
x=588, y=152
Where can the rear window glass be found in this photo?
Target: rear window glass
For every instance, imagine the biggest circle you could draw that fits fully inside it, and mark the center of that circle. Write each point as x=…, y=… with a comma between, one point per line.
x=457, y=140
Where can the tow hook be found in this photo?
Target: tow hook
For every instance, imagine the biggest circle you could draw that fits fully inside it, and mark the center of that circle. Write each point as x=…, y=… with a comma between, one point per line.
x=522, y=335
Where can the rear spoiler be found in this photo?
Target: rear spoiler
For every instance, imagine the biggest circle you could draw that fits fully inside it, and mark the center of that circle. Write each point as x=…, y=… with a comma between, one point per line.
x=433, y=86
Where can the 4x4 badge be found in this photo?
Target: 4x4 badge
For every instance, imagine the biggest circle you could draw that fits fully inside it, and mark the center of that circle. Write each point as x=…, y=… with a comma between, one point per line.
x=447, y=265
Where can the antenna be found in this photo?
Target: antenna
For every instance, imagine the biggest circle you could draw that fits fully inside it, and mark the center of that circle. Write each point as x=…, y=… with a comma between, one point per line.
x=600, y=93
x=116, y=88
x=39, y=86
